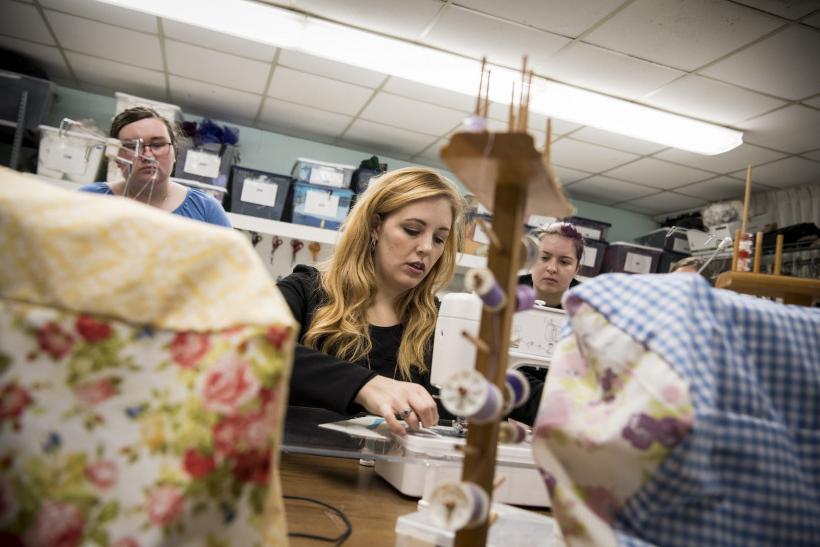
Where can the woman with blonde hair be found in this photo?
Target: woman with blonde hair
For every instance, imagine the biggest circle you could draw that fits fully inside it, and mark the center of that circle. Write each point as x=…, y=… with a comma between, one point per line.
x=368, y=318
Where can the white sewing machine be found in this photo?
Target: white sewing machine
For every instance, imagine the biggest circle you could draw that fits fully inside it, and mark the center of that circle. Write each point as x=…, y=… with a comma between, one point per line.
x=534, y=335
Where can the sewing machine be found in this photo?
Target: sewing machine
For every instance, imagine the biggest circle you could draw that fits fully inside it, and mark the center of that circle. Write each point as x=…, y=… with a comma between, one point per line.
x=534, y=335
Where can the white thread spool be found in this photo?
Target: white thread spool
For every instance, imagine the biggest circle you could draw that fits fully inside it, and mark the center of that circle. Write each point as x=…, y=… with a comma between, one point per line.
x=457, y=505
x=468, y=394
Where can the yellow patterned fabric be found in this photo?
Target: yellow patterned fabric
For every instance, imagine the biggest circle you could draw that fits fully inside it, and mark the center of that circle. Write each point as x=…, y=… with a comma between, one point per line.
x=128, y=261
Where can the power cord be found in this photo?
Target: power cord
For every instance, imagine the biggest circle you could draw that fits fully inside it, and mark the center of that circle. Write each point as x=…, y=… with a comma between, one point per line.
x=338, y=540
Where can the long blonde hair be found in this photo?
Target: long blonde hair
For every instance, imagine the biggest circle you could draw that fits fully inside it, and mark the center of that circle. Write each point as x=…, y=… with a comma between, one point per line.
x=340, y=325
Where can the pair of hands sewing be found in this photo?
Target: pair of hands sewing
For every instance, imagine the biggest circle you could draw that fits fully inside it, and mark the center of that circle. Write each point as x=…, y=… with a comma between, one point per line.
x=390, y=398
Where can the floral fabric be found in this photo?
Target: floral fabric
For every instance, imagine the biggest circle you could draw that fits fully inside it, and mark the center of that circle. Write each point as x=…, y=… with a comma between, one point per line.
x=144, y=365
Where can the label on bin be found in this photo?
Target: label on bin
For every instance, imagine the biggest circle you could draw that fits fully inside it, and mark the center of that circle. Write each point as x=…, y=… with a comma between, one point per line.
x=259, y=190
x=637, y=263
x=589, y=256
x=201, y=163
x=321, y=204
x=681, y=245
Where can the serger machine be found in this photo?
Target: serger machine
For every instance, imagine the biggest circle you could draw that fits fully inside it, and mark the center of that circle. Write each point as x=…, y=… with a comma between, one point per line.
x=534, y=334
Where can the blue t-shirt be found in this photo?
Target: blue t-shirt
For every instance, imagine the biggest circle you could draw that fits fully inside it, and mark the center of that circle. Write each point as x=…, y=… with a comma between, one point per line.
x=197, y=205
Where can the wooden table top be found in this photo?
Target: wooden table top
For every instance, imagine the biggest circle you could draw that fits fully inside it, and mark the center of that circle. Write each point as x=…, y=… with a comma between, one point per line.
x=370, y=503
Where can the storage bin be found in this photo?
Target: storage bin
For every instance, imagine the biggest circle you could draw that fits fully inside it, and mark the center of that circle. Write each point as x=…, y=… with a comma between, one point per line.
x=676, y=242
x=362, y=177
x=630, y=258
x=39, y=96
x=171, y=112
x=72, y=156
x=668, y=258
x=590, y=229
x=593, y=257
x=320, y=206
x=209, y=163
x=258, y=193
x=699, y=241
x=323, y=173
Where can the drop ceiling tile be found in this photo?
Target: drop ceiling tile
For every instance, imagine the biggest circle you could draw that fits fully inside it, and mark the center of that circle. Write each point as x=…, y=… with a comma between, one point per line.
x=391, y=17
x=609, y=72
x=412, y=115
x=391, y=140
x=216, y=67
x=23, y=21
x=47, y=57
x=711, y=100
x=716, y=189
x=608, y=191
x=587, y=157
x=216, y=40
x=658, y=174
x=430, y=94
x=813, y=155
x=685, y=34
x=117, y=76
x=210, y=100
x=628, y=206
x=474, y=35
x=815, y=102
x=666, y=202
x=330, y=69
x=105, y=13
x=289, y=118
x=308, y=89
x=790, y=10
x=784, y=64
x=740, y=157
x=567, y=18
x=107, y=41
x=791, y=129
x=613, y=140
x=814, y=20
x=432, y=155
x=784, y=173
x=567, y=175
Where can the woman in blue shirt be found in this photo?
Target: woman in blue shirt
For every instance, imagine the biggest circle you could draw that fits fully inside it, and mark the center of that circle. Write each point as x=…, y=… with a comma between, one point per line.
x=150, y=181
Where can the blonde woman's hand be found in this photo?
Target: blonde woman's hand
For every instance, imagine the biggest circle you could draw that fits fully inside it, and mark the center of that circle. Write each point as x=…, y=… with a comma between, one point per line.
x=395, y=400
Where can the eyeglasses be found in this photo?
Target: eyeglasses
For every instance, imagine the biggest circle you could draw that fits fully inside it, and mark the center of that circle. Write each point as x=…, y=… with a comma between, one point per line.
x=158, y=149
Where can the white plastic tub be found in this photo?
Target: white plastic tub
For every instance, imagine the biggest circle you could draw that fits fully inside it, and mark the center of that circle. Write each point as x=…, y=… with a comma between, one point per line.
x=72, y=156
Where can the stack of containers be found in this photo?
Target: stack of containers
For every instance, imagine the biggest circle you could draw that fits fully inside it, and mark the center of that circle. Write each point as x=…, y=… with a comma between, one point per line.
x=673, y=247
x=595, y=245
x=321, y=193
x=258, y=193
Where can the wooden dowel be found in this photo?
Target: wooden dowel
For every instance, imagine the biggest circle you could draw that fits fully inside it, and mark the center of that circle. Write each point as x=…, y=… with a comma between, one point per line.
x=480, y=344
x=778, y=254
x=521, y=92
x=526, y=116
x=548, y=143
x=499, y=480
x=487, y=95
x=744, y=221
x=735, y=250
x=489, y=231
x=480, y=87
x=758, y=251
x=511, y=121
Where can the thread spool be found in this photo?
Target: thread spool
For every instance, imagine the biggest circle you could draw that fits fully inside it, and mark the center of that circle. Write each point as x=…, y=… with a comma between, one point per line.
x=475, y=124
x=483, y=283
x=511, y=433
x=467, y=393
x=524, y=297
x=519, y=386
x=457, y=505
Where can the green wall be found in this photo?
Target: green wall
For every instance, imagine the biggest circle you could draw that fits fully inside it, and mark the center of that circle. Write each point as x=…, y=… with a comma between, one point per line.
x=276, y=153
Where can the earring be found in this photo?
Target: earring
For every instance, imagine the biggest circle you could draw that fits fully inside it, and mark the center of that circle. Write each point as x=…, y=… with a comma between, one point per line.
x=373, y=245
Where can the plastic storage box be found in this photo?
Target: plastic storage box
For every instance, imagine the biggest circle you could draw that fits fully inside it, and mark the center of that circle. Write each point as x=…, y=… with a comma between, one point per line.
x=258, y=193
x=323, y=173
x=630, y=258
x=668, y=258
x=677, y=242
x=209, y=163
x=593, y=257
x=320, y=206
x=171, y=112
x=71, y=156
x=590, y=229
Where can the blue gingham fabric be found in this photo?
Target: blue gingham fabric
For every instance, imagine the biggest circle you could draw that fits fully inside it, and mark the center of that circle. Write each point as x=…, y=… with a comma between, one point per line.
x=749, y=472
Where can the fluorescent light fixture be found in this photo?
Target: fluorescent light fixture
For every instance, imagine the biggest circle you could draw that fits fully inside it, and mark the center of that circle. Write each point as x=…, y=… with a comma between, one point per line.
x=279, y=27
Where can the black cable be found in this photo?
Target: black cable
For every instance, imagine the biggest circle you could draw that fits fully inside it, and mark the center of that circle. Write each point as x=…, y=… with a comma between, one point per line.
x=338, y=540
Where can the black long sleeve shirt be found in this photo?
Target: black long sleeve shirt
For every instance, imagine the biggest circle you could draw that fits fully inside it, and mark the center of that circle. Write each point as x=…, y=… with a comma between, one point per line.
x=324, y=381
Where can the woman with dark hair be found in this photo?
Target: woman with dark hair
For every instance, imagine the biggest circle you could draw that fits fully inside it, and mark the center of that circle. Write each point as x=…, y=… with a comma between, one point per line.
x=148, y=180
x=560, y=248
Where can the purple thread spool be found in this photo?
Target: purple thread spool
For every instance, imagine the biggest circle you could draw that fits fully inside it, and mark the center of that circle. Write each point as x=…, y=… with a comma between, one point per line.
x=483, y=283
x=524, y=297
x=491, y=409
x=519, y=386
x=512, y=433
x=457, y=505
